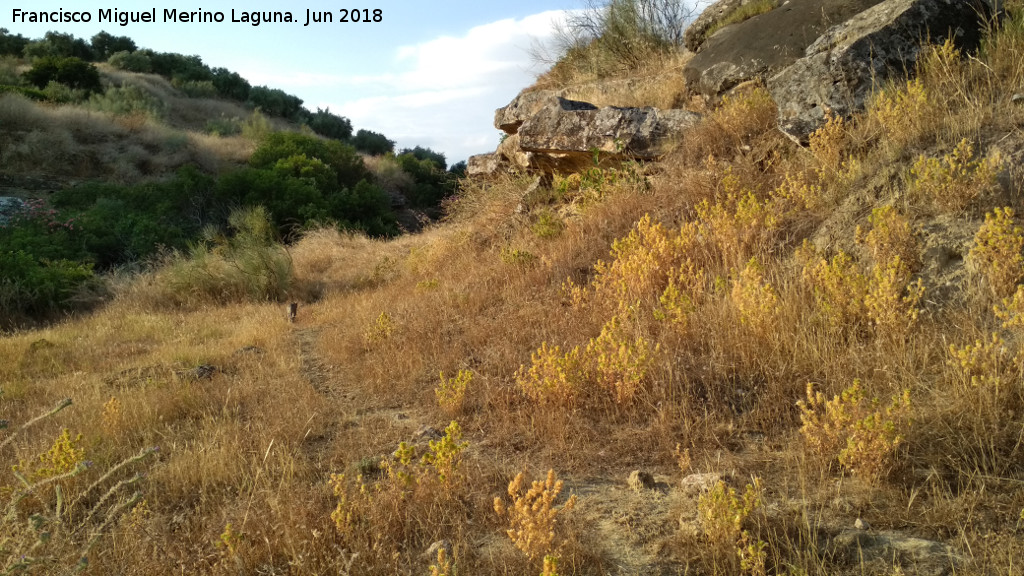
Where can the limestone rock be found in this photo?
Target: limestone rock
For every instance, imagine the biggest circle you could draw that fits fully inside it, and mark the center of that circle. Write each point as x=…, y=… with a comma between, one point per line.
x=883, y=548
x=696, y=484
x=509, y=118
x=639, y=133
x=765, y=44
x=483, y=164
x=844, y=64
x=513, y=155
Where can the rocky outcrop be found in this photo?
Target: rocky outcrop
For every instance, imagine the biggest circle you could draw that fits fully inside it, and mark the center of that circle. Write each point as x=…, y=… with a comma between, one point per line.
x=843, y=66
x=509, y=118
x=9, y=207
x=696, y=33
x=548, y=133
x=763, y=45
x=483, y=164
x=638, y=133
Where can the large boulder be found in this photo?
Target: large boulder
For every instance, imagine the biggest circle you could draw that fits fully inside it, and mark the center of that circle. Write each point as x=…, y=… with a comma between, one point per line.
x=484, y=165
x=509, y=118
x=765, y=44
x=638, y=133
x=843, y=66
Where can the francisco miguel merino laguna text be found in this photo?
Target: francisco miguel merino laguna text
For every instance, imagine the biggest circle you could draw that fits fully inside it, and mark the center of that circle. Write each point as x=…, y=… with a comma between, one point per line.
x=254, y=18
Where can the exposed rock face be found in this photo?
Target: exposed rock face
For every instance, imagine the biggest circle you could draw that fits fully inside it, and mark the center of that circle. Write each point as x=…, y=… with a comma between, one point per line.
x=845, y=63
x=549, y=133
x=526, y=104
x=9, y=206
x=633, y=132
x=764, y=44
x=696, y=33
x=483, y=164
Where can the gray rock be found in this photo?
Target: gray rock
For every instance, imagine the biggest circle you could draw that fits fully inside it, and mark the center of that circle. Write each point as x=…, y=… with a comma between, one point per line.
x=509, y=118
x=639, y=133
x=696, y=33
x=9, y=206
x=484, y=164
x=513, y=155
x=696, y=484
x=848, y=61
x=885, y=548
x=1017, y=98
x=201, y=372
x=765, y=44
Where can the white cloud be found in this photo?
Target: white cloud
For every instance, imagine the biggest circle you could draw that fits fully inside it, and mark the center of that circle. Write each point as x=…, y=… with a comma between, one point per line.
x=446, y=90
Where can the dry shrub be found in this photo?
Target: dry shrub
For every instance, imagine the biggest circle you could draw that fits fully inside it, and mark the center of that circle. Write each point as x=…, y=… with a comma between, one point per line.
x=737, y=121
x=955, y=181
x=533, y=516
x=997, y=252
x=855, y=432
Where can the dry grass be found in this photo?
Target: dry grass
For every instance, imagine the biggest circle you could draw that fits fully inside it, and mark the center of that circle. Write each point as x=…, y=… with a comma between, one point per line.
x=249, y=473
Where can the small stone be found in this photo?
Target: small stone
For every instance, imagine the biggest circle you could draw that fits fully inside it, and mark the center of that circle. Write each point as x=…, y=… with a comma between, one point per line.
x=639, y=480
x=861, y=524
x=696, y=484
x=201, y=372
x=431, y=552
x=249, y=350
x=428, y=433
x=1017, y=98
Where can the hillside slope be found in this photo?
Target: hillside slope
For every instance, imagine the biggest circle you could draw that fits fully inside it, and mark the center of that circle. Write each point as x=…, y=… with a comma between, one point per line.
x=747, y=357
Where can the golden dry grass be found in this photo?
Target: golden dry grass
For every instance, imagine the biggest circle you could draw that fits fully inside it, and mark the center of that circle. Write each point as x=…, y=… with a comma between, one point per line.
x=284, y=460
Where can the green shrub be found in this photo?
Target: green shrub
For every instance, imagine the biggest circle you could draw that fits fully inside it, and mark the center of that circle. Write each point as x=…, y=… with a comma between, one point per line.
x=247, y=264
x=12, y=44
x=105, y=44
x=196, y=88
x=31, y=287
x=230, y=84
x=275, y=102
x=136, y=61
x=616, y=36
x=223, y=126
x=125, y=100
x=341, y=158
x=73, y=72
x=59, y=45
x=329, y=125
x=373, y=143
x=30, y=93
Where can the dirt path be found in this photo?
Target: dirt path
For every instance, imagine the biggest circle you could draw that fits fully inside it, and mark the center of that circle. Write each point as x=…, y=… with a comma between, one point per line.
x=630, y=526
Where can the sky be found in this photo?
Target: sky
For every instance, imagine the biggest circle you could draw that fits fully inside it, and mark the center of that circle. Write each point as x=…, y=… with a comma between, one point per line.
x=428, y=74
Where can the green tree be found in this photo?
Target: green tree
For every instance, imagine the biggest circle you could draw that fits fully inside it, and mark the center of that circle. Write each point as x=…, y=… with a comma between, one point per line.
x=373, y=143
x=329, y=125
x=104, y=45
x=58, y=45
x=72, y=72
x=230, y=84
x=137, y=61
x=12, y=44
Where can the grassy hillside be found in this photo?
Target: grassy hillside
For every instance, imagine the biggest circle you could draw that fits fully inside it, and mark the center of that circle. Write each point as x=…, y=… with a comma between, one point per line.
x=139, y=161
x=788, y=340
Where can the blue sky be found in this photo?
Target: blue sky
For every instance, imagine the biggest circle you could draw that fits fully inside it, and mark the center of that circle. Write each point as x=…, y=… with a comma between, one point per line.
x=430, y=74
